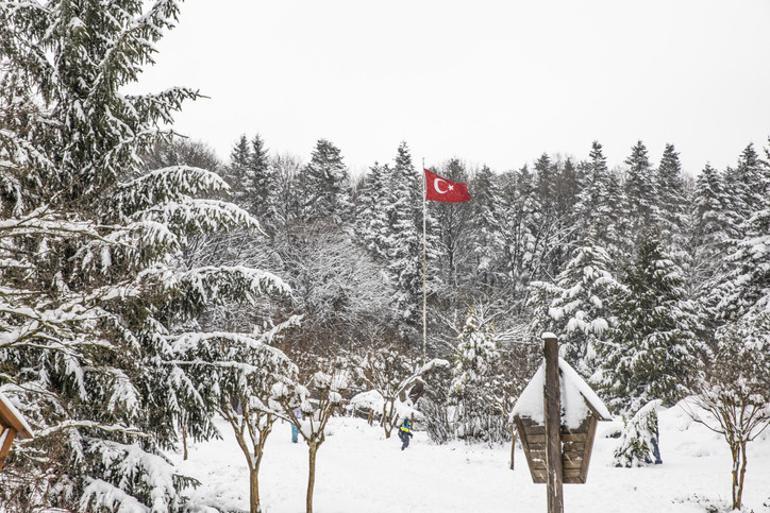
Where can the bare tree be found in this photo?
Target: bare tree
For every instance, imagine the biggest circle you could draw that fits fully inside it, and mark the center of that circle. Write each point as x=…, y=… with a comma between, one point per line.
x=733, y=399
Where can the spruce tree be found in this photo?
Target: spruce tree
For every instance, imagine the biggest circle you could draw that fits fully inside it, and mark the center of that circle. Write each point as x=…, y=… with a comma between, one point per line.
x=672, y=200
x=641, y=191
x=581, y=306
x=655, y=350
x=372, y=225
x=326, y=186
x=596, y=208
x=98, y=310
x=486, y=228
x=261, y=185
x=236, y=174
x=404, y=241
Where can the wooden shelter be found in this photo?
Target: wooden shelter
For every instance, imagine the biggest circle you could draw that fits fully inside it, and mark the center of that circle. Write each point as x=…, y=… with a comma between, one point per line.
x=12, y=426
x=580, y=410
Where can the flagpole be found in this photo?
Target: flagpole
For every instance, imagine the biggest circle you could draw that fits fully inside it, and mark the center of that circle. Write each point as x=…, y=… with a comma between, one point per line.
x=424, y=267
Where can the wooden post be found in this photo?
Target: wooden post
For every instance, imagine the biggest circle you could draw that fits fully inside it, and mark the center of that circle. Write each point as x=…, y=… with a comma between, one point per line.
x=552, y=400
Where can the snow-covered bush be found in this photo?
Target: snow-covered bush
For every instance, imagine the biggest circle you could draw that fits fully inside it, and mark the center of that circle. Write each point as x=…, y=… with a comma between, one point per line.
x=640, y=439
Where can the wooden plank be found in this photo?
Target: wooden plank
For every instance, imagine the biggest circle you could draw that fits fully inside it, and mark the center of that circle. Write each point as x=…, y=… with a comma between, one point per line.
x=6, y=439
x=588, y=448
x=552, y=399
x=525, y=446
x=569, y=437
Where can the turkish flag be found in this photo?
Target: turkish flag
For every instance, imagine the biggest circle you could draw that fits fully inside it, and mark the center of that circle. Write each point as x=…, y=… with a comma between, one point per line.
x=438, y=188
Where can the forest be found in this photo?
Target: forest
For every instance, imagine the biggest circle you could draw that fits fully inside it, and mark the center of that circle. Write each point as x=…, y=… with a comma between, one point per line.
x=148, y=287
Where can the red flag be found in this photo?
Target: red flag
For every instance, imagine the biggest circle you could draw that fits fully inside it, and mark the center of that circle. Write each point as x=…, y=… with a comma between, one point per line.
x=438, y=188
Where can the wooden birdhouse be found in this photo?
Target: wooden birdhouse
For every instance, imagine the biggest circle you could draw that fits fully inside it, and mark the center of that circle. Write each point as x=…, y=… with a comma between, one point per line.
x=561, y=423
x=12, y=426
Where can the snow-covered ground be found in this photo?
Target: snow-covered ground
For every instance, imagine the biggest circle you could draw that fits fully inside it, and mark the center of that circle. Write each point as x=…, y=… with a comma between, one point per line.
x=361, y=472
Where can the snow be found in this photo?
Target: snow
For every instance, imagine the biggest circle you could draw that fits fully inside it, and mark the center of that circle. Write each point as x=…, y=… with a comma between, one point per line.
x=576, y=396
x=8, y=404
x=361, y=471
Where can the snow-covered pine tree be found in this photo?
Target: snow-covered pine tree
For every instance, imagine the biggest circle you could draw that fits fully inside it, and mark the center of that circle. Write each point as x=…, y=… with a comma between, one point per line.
x=640, y=439
x=672, y=199
x=519, y=211
x=486, y=236
x=95, y=307
x=477, y=388
x=641, y=192
x=746, y=285
x=325, y=184
x=404, y=240
x=654, y=352
x=710, y=235
x=236, y=173
x=596, y=213
x=261, y=186
x=371, y=206
x=581, y=306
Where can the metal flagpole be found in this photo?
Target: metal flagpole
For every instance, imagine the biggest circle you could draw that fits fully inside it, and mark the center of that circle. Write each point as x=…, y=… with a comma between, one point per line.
x=424, y=267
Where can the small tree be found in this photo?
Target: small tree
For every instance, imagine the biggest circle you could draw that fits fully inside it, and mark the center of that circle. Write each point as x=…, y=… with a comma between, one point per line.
x=315, y=402
x=735, y=391
x=477, y=389
x=639, y=442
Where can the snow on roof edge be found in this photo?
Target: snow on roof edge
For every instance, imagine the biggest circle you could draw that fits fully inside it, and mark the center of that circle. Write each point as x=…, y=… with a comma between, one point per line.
x=8, y=404
x=569, y=374
x=530, y=402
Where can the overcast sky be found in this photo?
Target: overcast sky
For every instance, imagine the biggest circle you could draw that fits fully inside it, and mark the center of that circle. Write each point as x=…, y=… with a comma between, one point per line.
x=496, y=82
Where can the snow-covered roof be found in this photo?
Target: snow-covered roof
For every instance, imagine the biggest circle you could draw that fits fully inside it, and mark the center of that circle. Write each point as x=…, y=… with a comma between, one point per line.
x=10, y=416
x=577, y=398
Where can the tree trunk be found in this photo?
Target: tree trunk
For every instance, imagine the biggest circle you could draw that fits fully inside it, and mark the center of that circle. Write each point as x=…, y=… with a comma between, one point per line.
x=185, y=452
x=254, y=506
x=312, y=449
x=513, y=444
x=739, y=473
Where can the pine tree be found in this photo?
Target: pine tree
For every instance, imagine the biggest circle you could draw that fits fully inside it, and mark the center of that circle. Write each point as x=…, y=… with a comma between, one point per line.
x=404, y=240
x=596, y=207
x=486, y=228
x=641, y=190
x=520, y=222
x=746, y=287
x=372, y=225
x=261, y=185
x=97, y=309
x=672, y=200
x=580, y=307
x=326, y=186
x=236, y=174
x=655, y=351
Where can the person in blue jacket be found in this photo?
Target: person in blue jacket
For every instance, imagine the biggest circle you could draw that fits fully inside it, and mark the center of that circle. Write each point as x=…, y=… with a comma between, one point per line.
x=294, y=431
x=405, y=433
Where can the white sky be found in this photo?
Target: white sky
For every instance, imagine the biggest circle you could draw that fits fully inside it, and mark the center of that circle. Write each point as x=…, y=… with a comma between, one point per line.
x=495, y=82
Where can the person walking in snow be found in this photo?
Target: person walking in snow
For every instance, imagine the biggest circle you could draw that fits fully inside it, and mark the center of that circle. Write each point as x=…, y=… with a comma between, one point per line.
x=294, y=430
x=405, y=433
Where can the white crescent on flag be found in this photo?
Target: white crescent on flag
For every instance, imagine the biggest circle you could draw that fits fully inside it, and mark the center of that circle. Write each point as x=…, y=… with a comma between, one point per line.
x=438, y=189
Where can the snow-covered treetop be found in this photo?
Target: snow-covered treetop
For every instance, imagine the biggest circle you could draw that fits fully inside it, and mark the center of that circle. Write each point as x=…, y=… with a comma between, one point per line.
x=578, y=400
